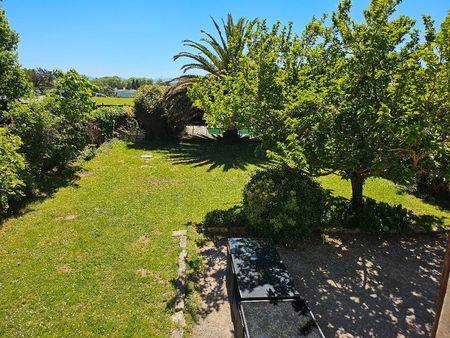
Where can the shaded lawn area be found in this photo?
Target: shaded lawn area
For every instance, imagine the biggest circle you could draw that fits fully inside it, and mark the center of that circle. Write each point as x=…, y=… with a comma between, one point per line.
x=98, y=258
x=382, y=190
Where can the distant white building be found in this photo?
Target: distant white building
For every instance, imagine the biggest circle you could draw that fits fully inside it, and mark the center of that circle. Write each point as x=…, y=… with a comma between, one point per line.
x=125, y=92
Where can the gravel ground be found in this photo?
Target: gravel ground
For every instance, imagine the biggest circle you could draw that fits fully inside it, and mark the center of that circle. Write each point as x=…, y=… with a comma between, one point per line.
x=356, y=285
x=367, y=286
x=215, y=317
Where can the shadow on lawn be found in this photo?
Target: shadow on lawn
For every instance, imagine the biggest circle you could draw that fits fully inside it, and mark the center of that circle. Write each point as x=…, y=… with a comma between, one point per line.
x=441, y=203
x=200, y=152
x=46, y=188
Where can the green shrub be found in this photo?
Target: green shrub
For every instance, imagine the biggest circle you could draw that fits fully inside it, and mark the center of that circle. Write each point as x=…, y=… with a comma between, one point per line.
x=433, y=185
x=105, y=122
x=284, y=204
x=88, y=153
x=373, y=216
x=233, y=217
x=150, y=112
x=12, y=167
x=53, y=131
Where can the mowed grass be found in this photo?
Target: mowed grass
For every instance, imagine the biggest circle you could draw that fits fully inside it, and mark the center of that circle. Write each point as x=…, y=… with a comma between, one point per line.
x=98, y=258
x=128, y=101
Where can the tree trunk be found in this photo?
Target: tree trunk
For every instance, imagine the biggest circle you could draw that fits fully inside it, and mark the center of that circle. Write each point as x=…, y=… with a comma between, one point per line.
x=231, y=135
x=357, y=181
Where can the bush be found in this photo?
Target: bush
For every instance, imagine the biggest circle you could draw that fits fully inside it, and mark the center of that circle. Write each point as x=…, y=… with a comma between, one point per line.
x=433, y=185
x=284, y=204
x=233, y=217
x=372, y=216
x=53, y=130
x=12, y=168
x=150, y=112
x=104, y=123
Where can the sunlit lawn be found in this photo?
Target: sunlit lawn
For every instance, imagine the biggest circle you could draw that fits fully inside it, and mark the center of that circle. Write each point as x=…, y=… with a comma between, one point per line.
x=108, y=271
x=128, y=101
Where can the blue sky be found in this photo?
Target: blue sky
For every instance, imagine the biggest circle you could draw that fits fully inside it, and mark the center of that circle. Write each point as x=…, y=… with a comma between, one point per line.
x=140, y=37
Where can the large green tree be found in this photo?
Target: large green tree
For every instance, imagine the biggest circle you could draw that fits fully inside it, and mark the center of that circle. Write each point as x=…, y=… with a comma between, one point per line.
x=360, y=99
x=13, y=83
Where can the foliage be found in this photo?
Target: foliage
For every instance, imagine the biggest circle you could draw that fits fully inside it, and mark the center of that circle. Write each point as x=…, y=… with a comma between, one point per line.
x=42, y=79
x=233, y=217
x=213, y=56
x=53, y=129
x=282, y=203
x=150, y=112
x=12, y=167
x=373, y=216
x=384, y=191
x=433, y=185
x=360, y=99
x=179, y=107
x=13, y=83
x=104, y=122
x=88, y=153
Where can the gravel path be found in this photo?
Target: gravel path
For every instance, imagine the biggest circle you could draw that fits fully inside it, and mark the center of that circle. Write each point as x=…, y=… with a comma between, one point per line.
x=215, y=316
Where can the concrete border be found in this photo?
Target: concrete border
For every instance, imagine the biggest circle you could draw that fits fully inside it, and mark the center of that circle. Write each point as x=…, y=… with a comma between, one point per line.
x=178, y=316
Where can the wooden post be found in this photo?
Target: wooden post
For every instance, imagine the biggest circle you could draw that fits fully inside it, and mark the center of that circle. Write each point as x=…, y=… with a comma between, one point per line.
x=441, y=325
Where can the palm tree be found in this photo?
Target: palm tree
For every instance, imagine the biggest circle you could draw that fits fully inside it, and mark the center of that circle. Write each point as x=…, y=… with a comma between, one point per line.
x=215, y=56
x=212, y=55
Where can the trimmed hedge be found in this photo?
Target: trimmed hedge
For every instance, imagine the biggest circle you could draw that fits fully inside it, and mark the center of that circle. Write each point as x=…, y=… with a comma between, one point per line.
x=284, y=204
x=373, y=216
x=233, y=217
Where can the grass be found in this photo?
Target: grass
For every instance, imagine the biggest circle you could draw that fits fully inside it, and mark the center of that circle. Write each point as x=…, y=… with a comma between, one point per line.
x=128, y=101
x=97, y=258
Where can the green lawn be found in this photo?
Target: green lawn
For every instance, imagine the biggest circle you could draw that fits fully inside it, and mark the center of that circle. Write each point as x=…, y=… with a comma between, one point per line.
x=97, y=258
x=128, y=101
x=82, y=276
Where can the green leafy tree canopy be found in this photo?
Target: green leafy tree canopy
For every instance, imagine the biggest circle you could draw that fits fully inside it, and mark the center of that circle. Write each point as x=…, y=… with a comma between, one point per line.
x=359, y=99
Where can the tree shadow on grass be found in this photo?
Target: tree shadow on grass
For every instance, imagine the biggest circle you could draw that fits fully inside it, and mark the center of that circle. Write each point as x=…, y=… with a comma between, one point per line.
x=441, y=203
x=45, y=188
x=200, y=152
